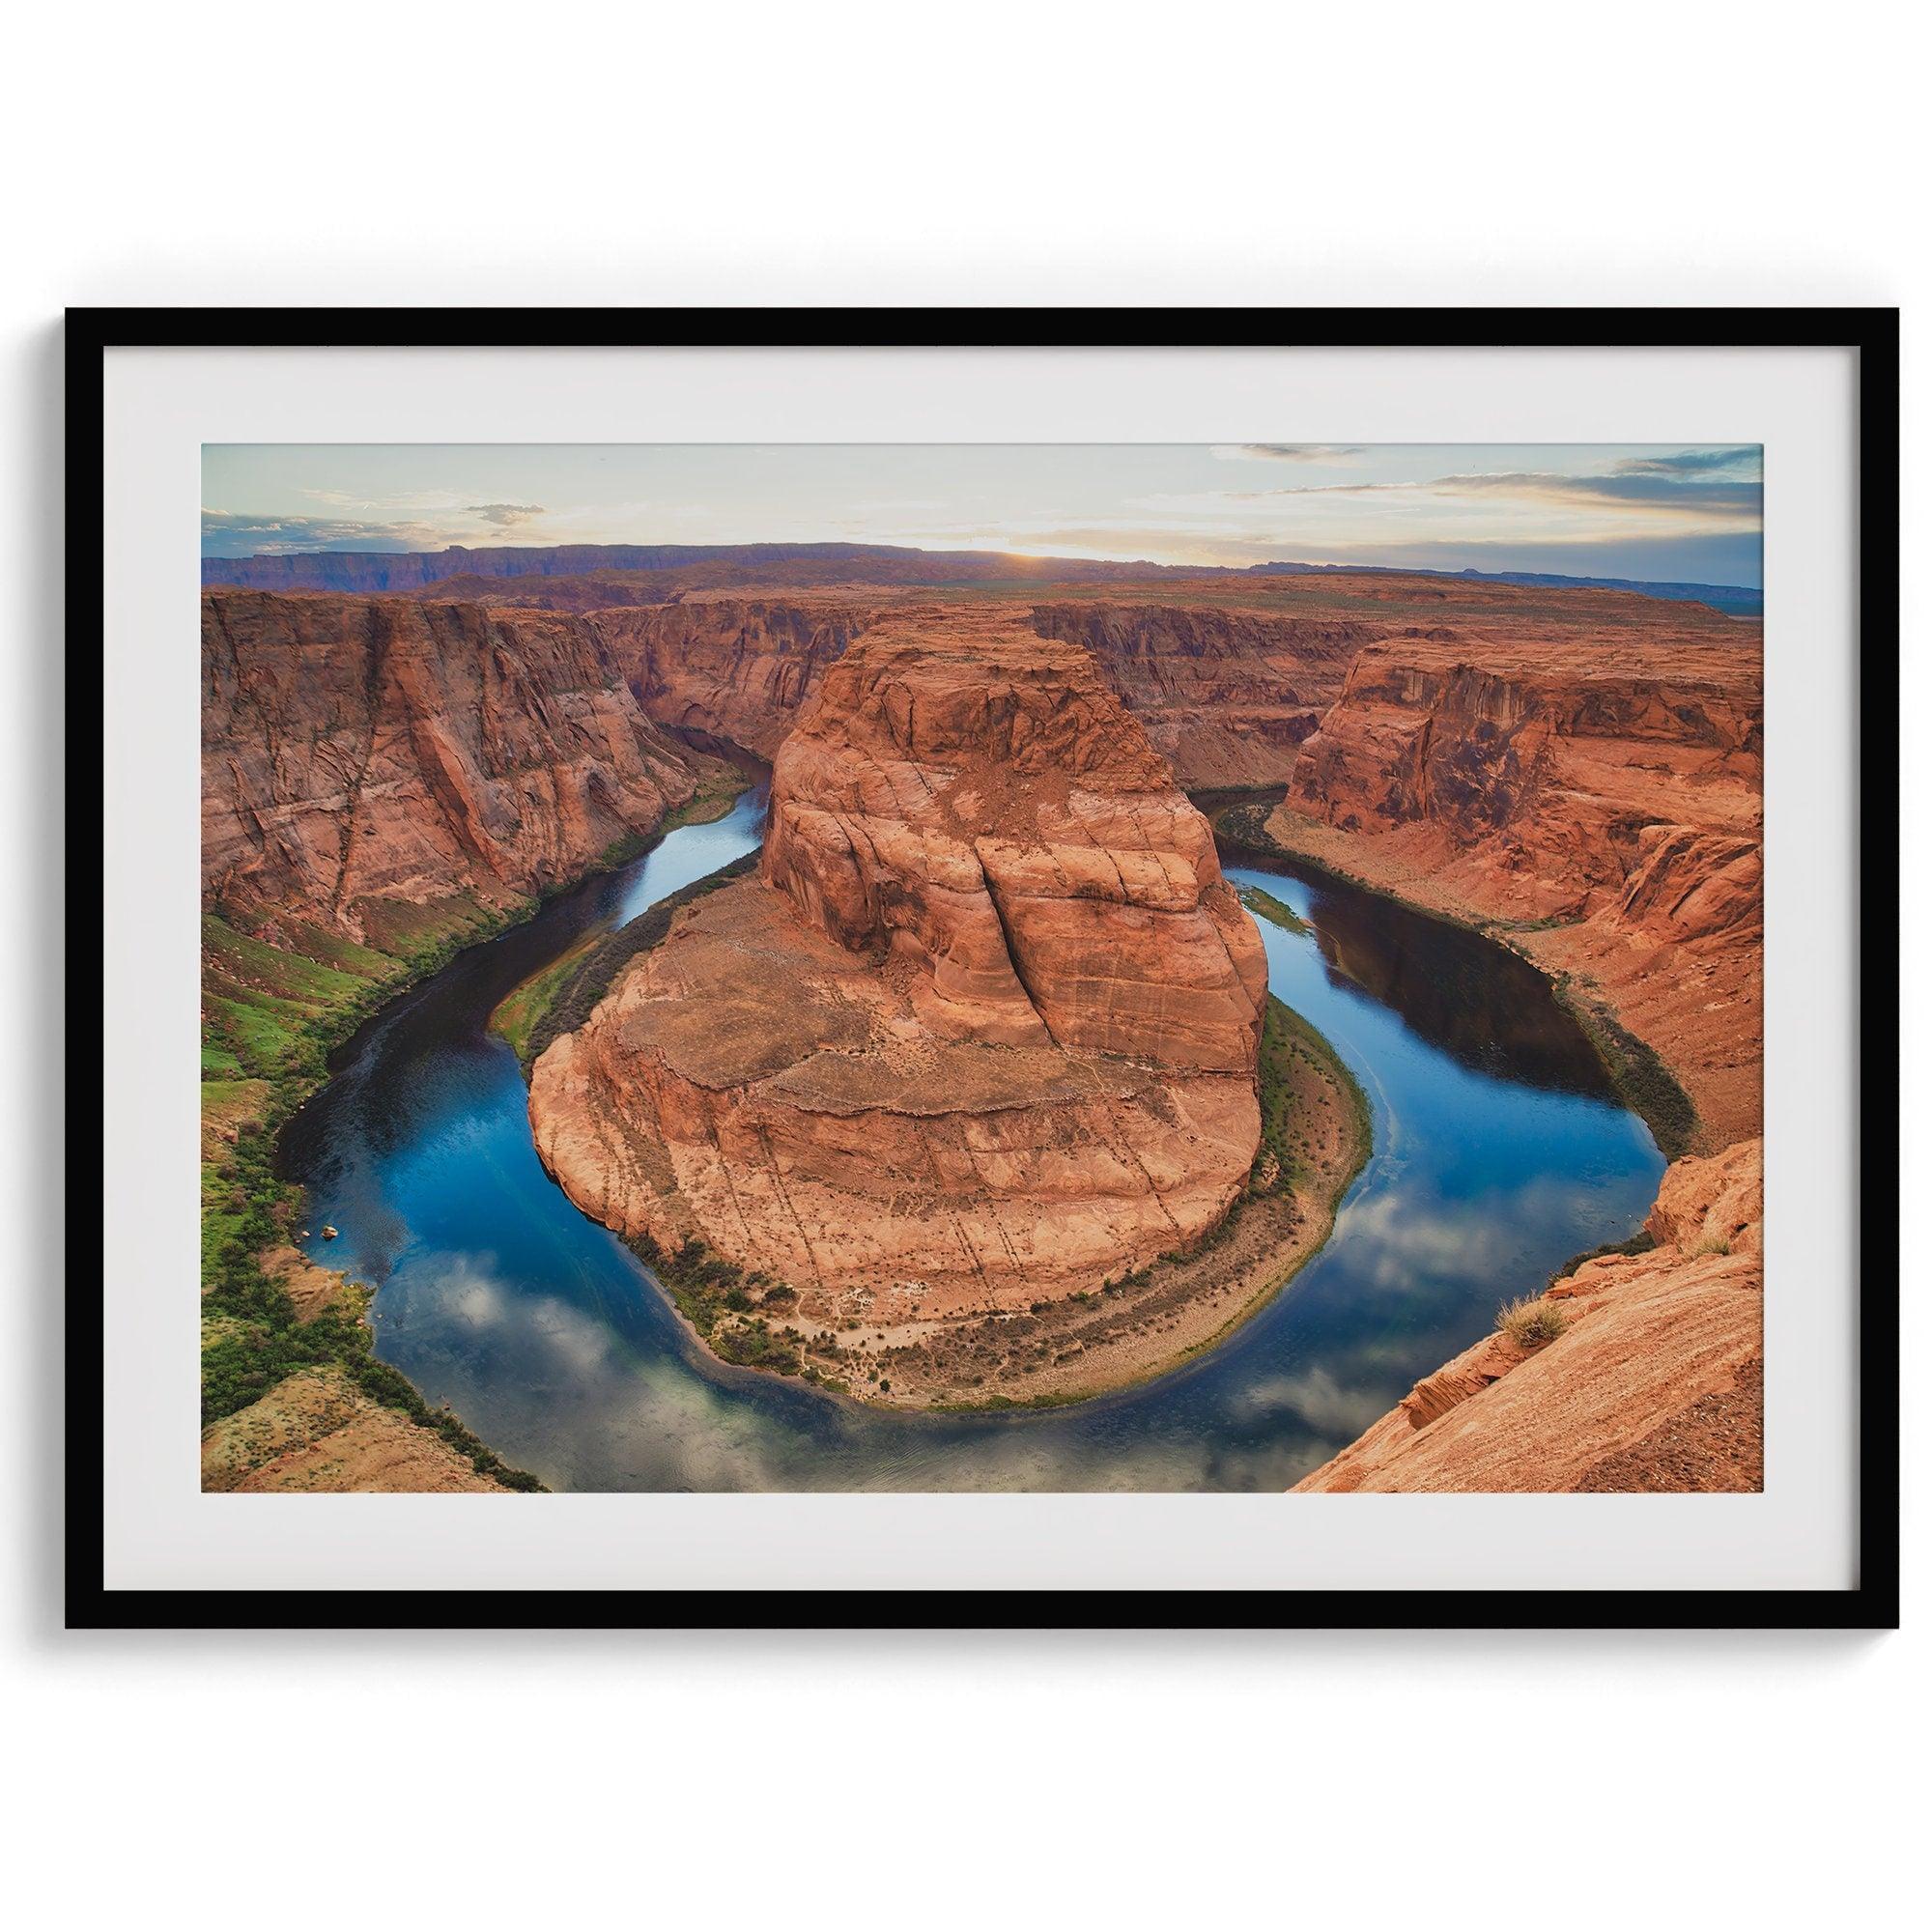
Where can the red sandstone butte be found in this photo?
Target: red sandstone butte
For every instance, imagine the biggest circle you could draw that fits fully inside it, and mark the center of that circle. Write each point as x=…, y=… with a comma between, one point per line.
x=983, y=1032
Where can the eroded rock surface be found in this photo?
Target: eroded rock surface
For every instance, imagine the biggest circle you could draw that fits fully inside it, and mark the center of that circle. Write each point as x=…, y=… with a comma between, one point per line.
x=1601, y=795
x=983, y=1032
x=1553, y=779
x=363, y=748
x=732, y=668
x=1227, y=696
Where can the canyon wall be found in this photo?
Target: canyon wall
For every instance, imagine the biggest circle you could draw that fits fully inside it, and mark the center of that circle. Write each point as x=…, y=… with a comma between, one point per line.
x=1549, y=780
x=1600, y=799
x=356, y=750
x=1655, y=1382
x=733, y=669
x=1225, y=695
x=983, y=1032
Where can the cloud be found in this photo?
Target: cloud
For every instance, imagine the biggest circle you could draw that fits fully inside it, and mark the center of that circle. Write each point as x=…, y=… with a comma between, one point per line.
x=435, y=527
x=1707, y=557
x=1316, y=1397
x=1611, y=510
x=232, y=533
x=1661, y=491
x=1705, y=498
x=1290, y=453
x=657, y=1414
x=1693, y=462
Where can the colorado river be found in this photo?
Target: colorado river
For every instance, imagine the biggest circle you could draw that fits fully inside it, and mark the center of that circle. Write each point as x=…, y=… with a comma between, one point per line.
x=1501, y=1151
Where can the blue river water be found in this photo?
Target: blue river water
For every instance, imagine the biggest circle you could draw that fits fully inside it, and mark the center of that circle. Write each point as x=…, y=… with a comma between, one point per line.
x=1499, y=1151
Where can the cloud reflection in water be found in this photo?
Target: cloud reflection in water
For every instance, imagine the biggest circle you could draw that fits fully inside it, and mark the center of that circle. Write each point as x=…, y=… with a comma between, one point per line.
x=1496, y=1159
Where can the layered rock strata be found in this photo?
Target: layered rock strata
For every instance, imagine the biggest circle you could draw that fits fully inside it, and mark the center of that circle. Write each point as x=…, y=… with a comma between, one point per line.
x=1603, y=802
x=1554, y=780
x=373, y=748
x=731, y=670
x=983, y=1032
x=1227, y=696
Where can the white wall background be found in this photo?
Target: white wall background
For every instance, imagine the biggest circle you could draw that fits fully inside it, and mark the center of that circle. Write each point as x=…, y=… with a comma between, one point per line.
x=1396, y=153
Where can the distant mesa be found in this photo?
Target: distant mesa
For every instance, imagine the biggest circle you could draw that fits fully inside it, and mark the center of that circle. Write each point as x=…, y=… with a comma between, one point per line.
x=680, y=565
x=718, y=565
x=1740, y=598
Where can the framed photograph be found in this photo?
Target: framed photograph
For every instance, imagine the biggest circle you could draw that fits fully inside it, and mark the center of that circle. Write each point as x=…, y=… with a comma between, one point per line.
x=1029, y=967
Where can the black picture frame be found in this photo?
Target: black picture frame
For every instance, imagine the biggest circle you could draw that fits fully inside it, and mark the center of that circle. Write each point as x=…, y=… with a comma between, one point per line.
x=1873, y=333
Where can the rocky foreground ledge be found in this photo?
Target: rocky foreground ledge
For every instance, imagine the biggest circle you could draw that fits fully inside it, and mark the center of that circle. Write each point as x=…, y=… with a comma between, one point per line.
x=950, y=1103
x=1652, y=1380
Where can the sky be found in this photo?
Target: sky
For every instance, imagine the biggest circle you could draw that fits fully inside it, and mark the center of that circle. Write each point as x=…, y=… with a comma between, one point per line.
x=1654, y=511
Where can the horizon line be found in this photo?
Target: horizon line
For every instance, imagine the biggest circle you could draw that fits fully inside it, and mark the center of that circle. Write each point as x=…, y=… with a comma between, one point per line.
x=1018, y=555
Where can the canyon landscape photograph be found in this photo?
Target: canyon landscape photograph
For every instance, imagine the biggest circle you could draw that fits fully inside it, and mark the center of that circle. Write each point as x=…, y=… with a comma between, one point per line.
x=971, y=967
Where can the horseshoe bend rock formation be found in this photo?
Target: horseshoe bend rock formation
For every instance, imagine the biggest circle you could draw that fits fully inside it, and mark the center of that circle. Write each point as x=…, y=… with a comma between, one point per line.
x=978, y=801
x=983, y=1031
x=358, y=750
